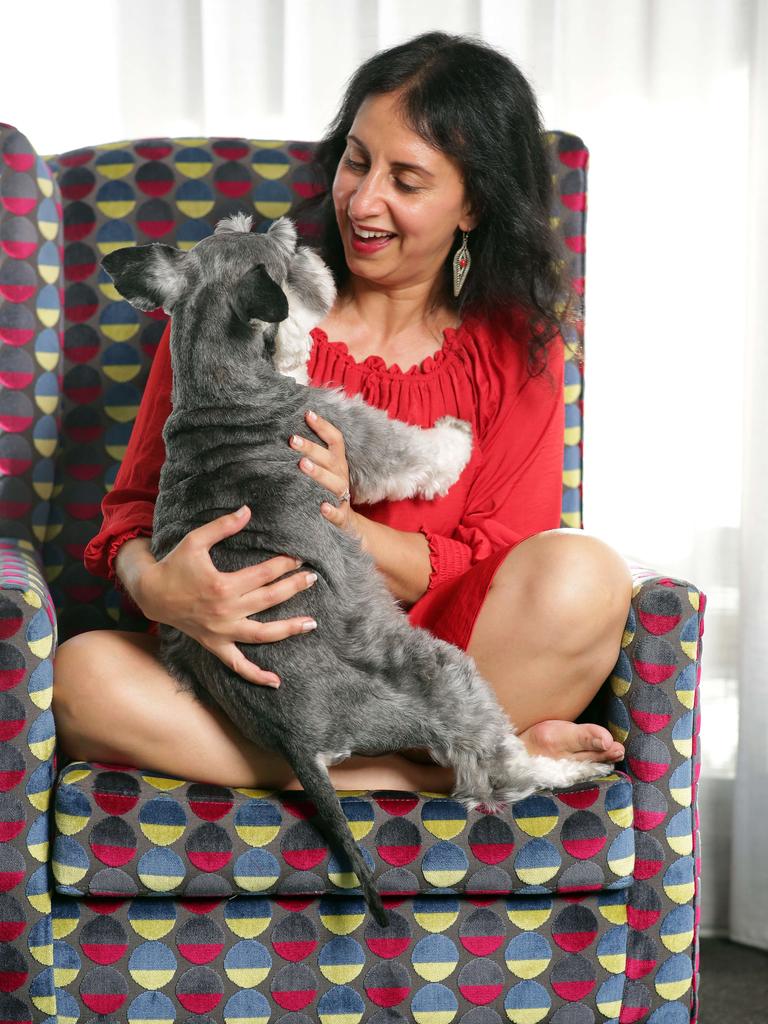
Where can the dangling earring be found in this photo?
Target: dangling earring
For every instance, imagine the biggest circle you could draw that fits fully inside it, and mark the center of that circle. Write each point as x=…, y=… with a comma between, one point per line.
x=462, y=261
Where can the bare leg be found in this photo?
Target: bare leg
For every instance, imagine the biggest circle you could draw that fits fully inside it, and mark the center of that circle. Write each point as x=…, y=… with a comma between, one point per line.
x=547, y=637
x=114, y=702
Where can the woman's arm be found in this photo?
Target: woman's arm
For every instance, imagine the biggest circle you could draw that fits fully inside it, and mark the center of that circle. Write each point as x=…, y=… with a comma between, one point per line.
x=401, y=557
x=132, y=559
x=128, y=508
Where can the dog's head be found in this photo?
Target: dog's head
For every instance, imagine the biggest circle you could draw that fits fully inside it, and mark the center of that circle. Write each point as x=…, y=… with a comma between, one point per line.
x=237, y=278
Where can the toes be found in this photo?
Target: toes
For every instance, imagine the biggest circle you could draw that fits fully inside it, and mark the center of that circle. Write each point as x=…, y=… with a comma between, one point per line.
x=594, y=737
x=598, y=743
x=583, y=755
x=565, y=739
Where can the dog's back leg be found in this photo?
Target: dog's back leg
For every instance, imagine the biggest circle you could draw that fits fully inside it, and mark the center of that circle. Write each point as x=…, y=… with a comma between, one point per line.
x=464, y=726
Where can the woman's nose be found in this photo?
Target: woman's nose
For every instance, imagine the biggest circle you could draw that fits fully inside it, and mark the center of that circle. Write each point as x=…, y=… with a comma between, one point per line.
x=367, y=198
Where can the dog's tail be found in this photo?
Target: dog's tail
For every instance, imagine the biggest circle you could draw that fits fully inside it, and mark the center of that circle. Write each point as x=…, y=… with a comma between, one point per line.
x=313, y=775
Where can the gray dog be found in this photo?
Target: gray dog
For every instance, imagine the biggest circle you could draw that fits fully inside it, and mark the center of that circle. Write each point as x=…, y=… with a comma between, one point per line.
x=365, y=680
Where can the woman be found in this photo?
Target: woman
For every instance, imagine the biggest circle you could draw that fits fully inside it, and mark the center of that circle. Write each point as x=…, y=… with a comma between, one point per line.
x=437, y=165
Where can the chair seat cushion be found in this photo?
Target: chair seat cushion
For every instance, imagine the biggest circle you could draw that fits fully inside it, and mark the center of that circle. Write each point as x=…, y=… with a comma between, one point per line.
x=123, y=832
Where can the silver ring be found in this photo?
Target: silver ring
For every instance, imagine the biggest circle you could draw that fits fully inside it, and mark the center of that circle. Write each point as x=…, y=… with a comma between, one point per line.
x=346, y=496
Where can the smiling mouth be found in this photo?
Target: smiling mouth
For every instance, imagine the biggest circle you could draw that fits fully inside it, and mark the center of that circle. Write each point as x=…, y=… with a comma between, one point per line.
x=371, y=235
x=364, y=240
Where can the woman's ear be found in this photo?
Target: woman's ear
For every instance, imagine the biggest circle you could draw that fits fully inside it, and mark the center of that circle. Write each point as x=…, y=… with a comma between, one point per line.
x=468, y=220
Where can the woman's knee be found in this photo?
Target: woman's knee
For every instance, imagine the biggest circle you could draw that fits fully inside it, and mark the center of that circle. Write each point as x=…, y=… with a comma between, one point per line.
x=88, y=677
x=79, y=667
x=574, y=585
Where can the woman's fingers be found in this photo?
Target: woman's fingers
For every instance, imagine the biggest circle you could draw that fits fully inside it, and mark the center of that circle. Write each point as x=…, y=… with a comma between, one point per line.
x=332, y=436
x=244, y=581
x=225, y=526
x=271, y=594
x=233, y=657
x=318, y=453
x=250, y=631
x=327, y=478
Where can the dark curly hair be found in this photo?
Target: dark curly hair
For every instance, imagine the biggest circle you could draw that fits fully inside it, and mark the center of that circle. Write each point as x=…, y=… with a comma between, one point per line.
x=472, y=103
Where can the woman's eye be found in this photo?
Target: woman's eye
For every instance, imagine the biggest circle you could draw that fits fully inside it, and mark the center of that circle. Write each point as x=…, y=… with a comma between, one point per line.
x=354, y=165
x=405, y=187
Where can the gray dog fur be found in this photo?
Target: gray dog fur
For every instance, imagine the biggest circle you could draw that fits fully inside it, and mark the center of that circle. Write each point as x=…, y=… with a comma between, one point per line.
x=365, y=680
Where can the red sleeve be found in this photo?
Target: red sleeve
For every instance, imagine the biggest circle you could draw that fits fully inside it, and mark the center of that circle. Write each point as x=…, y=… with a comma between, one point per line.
x=517, y=489
x=129, y=507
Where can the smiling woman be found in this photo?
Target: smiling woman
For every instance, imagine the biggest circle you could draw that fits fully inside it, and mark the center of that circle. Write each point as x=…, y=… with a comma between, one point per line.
x=443, y=135
x=398, y=203
x=398, y=200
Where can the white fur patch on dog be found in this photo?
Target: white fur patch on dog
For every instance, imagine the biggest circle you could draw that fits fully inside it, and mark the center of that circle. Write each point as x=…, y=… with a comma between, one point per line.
x=328, y=758
x=315, y=278
x=293, y=343
x=237, y=222
x=311, y=292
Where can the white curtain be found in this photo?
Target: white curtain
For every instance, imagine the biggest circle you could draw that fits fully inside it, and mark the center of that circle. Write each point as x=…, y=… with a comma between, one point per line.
x=671, y=98
x=749, y=894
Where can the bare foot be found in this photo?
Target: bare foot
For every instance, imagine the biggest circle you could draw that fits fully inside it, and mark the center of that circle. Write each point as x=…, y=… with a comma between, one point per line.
x=567, y=739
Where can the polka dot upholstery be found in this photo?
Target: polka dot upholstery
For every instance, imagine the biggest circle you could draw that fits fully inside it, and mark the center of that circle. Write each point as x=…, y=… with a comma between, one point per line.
x=132, y=897
x=120, y=833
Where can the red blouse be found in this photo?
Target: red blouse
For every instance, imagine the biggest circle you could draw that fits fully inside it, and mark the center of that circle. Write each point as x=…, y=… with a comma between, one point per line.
x=510, y=490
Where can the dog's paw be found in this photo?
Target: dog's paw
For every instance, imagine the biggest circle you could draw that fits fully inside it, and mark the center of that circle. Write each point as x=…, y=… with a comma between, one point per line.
x=507, y=796
x=451, y=448
x=493, y=805
x=560, y=773
x=473, y=801
x=589, y=770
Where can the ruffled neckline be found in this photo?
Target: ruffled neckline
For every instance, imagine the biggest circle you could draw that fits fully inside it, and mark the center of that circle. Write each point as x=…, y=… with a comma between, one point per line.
x=454, y=339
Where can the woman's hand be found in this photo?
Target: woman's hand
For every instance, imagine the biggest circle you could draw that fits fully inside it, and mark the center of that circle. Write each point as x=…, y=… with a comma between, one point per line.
x=329, y=467
x=187, y=591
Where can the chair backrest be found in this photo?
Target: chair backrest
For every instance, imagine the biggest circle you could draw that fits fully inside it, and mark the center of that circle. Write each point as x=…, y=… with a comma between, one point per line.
x=74, y=356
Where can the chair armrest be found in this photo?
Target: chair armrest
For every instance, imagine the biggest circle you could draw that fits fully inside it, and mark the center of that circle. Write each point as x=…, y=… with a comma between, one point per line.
x=31, y=299
x=27, y=745
x=653, y=705
x=653, y=709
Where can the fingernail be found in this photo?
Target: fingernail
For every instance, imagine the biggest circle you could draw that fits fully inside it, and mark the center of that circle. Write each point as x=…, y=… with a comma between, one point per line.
x=273, y=685
x=242, y=510
x=311, y=415
x=308, y=625
x=297, y=563
x=309, y=465
x=296, y=441
x=311, y=577
x=325, y=508
x=598, y=745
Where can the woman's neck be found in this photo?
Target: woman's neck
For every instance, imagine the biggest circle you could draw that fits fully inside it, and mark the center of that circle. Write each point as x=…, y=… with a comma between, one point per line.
x=389, y=320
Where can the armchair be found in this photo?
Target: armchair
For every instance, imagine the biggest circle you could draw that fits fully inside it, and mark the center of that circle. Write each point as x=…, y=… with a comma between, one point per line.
x=131, y=896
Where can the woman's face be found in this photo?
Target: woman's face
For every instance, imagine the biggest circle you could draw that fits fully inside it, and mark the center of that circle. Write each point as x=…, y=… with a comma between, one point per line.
x=398, y=200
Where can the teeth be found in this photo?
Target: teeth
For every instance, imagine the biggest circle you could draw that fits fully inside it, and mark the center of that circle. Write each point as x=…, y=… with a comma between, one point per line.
x=371, y=234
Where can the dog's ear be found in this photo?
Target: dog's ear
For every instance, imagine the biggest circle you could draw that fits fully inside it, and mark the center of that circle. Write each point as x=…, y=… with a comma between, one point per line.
x=148, y=276
x=283, y=231
x=257, y=297
x=237, y=223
